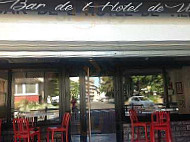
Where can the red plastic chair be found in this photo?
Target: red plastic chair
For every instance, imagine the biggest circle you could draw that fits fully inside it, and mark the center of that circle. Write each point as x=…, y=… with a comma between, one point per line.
x=63, y=128
x=136, y=124
x=22, y=131
x=160, y=121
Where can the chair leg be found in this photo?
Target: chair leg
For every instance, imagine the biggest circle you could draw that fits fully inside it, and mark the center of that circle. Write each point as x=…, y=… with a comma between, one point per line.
x=132, y=136
x=67, y=136
x=28, y=139
x=47, y=136
x=152, y=135
x=52, y=136
x=138, y=133
x=39, y=138
x=170, y=134
x=146, y=133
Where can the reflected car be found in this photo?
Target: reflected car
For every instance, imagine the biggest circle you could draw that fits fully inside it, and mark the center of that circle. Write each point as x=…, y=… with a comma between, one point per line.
x=141, y=101
x=55, y=100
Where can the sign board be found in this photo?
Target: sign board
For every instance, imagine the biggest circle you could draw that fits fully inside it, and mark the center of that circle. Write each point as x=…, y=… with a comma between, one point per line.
x=124, y=8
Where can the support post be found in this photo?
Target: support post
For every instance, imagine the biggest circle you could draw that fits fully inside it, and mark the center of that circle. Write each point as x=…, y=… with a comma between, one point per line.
x=67, y=92
x=9, y=97
x=61, y=94
x=119, y=107
x=83, y=128
x=164, y=73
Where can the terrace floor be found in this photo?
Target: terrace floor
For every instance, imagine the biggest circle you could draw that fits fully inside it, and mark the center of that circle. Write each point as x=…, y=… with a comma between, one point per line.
x=97, y=138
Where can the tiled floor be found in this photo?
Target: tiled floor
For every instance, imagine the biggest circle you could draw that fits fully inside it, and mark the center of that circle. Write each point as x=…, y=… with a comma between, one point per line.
x=97, y=138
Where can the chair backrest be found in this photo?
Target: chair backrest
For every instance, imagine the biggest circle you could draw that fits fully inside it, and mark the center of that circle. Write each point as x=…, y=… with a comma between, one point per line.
x=65, y=120
x=133, y=116
x=20, y=125
x=30, y=121
x=160, y=117
x=16, y=125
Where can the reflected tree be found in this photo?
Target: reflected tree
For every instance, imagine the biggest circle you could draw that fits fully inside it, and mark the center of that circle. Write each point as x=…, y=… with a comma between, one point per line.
x=148, y=85
x=106, y=86
x=74, y=89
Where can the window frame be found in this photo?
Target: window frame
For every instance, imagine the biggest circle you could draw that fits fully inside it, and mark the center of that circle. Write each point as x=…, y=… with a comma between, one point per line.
x=24, y=93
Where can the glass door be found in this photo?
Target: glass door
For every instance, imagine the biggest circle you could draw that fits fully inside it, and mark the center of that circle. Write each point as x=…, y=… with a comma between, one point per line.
x=75, y=108
x=102, y=108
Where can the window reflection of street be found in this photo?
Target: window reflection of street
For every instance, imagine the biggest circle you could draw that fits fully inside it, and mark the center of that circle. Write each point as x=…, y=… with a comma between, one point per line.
x=75, y=105
x=102, y=105
x=145, y=94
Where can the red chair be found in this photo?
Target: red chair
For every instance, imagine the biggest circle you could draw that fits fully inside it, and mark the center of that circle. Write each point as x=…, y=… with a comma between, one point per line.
x=63, y=128
x=22, y=131
x=136, y=124
x=160, y=121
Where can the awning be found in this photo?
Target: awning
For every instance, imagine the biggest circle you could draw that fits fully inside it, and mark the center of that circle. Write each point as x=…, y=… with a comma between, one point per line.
x=87, y=49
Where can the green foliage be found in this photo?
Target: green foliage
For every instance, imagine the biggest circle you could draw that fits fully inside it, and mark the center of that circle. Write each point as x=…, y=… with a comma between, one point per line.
x=106, y=86
x=74, y=90
x=154, y=81
x=25, y=105
x=155, y=99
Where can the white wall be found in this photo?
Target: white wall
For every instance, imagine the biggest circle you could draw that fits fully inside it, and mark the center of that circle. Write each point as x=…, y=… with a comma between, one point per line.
x=182, y=75
x=60, y=28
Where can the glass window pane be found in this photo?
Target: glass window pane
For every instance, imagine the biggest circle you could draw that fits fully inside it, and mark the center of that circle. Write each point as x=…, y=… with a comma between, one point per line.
x=3, y=93
x=30, y=88
x=36, y=94
x=52, y=95
x=19, y=89
x=75, y=105
x=28, y=97
x=102, y=101
x=145, y=93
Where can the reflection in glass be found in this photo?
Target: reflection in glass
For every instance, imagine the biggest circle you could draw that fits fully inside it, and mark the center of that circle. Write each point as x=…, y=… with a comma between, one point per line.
x=145, y=93
x=3, y=93
x=75, y=105
x=102, y=104
x=31, y=88
x=36, y=94
x=52, y=95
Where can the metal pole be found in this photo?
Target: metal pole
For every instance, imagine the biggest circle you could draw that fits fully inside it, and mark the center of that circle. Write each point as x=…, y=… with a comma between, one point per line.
x=89, y=105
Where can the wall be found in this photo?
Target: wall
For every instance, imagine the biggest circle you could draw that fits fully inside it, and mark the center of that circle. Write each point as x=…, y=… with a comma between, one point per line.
x=92, y=28
x=33, y=98
x=180, y=78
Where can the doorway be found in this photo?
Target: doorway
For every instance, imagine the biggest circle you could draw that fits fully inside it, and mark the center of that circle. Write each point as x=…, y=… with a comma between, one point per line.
x=102, y=109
